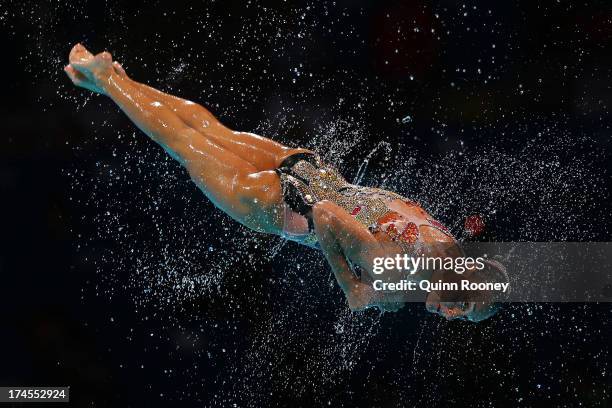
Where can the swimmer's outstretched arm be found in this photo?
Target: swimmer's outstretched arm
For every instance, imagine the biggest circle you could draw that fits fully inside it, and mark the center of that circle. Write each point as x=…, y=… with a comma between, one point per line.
x=233, y=184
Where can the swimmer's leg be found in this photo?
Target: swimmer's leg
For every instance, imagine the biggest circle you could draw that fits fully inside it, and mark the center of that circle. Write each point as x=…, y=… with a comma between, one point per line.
x=343, y=238
x=261, y=152
x=250, y=196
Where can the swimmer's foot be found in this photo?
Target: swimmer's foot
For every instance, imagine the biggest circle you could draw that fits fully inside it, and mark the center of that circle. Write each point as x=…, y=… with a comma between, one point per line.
x=90, y=71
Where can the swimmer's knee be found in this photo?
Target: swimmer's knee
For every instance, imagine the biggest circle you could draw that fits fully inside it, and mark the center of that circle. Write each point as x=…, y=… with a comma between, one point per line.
x=322, y=219
x=326, y=221
x=322, y=212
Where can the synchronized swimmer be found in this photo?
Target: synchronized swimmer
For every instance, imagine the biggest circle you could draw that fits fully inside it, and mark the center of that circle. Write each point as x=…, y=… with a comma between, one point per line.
x=289, y=192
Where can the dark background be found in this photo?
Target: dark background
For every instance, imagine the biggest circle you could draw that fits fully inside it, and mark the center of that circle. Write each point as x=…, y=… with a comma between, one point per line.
x=120, y=280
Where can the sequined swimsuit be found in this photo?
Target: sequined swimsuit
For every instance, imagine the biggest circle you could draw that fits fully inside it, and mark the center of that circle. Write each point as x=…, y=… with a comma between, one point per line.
x=306, y=180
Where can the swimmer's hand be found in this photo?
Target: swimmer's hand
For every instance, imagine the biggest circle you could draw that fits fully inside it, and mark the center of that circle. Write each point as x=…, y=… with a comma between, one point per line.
x=359, y=298
x=475, y=307
x=363, y=296
x=90, y=71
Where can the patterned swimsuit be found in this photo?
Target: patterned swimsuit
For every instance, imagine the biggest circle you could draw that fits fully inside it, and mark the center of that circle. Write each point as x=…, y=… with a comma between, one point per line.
x=306, y=180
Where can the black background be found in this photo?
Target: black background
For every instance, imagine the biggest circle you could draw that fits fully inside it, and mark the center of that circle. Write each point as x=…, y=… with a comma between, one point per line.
x=494, y=92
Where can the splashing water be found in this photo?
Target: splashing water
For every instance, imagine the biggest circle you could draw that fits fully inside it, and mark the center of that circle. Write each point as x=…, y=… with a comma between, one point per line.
x=364, y=164
x=166, y=268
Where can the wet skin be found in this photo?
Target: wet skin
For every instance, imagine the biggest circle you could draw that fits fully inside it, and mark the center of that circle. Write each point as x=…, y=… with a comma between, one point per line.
x=236, y=171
